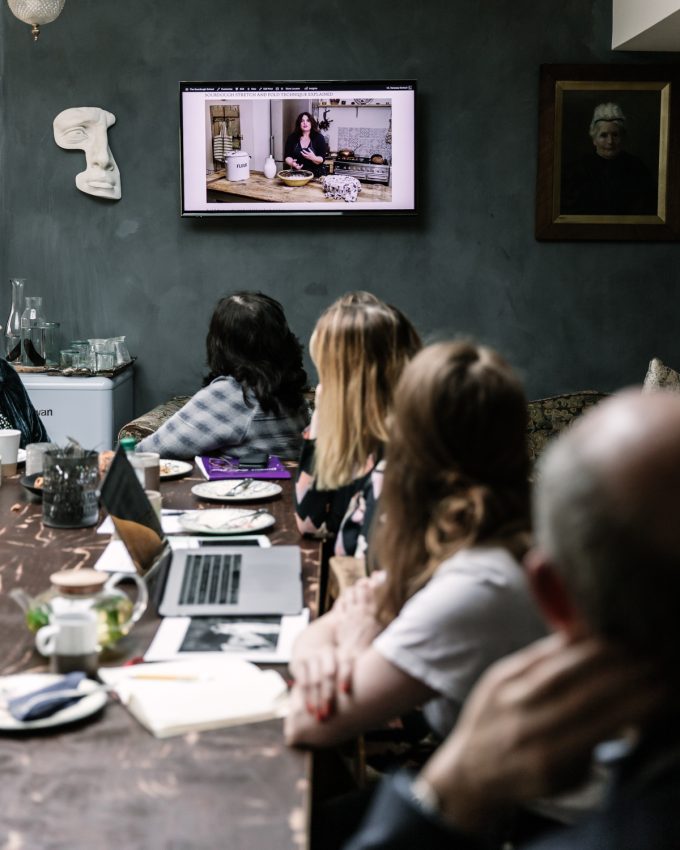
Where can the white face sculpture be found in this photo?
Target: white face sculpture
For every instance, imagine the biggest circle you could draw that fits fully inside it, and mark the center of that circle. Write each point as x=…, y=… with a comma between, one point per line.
x=85, y=128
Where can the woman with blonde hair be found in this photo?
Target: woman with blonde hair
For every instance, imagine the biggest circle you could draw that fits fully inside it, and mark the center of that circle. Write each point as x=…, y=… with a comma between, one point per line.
x=360, y=346
x=453, y=527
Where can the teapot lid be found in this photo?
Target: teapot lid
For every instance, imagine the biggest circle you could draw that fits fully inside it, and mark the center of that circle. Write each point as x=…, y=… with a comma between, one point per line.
x=78, y=582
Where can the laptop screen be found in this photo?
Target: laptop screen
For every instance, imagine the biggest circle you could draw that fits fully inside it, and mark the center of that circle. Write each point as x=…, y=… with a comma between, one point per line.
x=134, y=519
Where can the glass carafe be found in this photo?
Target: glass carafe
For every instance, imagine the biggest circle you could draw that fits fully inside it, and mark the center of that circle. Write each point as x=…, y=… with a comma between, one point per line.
x=32, y=340
x=13, y=329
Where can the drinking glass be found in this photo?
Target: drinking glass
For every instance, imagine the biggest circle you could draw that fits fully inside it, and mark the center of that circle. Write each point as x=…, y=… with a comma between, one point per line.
x=121, y=350
x=147, y=465
x=34, y=457
x=84, y=358
x=105, y=360
x=70, y=487
x=50, y=342
x=68, y=357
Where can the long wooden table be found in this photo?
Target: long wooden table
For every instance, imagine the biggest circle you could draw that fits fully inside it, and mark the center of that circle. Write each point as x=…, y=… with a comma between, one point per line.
x=105, y=782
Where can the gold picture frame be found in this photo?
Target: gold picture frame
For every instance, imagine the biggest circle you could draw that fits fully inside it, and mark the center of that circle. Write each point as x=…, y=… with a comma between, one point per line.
x=608, y=145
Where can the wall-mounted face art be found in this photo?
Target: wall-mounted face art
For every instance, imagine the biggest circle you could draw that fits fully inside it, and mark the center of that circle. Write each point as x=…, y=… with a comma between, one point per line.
x=85, y=128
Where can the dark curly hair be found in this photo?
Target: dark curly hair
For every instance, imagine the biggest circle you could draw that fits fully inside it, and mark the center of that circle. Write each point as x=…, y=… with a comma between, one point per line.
x=312, y=121
x=250, y=341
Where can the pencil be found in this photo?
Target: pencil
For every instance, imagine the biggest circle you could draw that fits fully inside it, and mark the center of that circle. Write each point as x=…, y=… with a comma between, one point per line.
x=165, y=677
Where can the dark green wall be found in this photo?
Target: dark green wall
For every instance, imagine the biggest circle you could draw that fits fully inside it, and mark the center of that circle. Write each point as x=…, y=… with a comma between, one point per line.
x=569, y=316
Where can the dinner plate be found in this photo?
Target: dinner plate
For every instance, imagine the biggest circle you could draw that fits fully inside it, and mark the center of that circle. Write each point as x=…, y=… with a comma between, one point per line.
x=218, y=491
x=23, y=683
x=28, y=481
x=225, y=521
x=171, y=469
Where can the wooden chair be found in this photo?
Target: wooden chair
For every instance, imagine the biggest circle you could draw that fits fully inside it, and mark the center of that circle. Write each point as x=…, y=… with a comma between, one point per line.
x=343, y=572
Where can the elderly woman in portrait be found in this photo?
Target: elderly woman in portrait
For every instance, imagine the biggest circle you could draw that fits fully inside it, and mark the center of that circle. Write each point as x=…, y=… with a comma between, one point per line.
x=609, y=180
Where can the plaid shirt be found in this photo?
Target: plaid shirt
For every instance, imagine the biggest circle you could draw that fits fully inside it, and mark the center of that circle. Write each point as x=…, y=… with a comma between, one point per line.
x=217, y=419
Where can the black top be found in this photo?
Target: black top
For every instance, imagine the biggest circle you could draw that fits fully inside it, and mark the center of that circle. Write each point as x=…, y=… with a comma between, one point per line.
x=599, y=186
x=16, y=410
x=317, y=146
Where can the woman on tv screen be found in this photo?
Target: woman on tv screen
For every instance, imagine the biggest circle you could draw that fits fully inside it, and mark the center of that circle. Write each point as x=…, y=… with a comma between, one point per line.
x=306, y=148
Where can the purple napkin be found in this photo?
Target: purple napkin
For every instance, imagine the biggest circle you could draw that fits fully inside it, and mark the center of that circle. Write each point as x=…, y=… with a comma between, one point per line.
x=225, y=467
x=30, y=707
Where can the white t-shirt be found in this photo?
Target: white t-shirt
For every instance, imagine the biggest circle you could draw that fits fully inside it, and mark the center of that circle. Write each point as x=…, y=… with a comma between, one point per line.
x=475, y=609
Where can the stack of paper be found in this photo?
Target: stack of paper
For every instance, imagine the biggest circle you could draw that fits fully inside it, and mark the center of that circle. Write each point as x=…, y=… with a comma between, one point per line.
x=175, y=697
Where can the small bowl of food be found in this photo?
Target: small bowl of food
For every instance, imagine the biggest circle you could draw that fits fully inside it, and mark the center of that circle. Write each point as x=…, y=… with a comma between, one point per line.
x=34, y=484
x=295, y=178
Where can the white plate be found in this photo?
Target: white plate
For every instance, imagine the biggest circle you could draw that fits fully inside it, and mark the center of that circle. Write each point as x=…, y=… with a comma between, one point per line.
x=225, y=521
x=216, y=491
x=174, y=469
x=21, y=456
x=23, y=683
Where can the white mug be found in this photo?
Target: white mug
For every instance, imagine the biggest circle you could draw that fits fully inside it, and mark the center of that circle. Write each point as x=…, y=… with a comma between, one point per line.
x=9, y=449
x=71, y=641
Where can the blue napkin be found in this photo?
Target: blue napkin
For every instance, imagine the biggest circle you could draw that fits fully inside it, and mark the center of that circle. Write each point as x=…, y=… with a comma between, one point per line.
x=29, y=707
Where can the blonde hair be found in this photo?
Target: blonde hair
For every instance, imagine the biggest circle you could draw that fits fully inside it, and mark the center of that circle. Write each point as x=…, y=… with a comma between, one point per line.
x=360, y=346
x=457, y=470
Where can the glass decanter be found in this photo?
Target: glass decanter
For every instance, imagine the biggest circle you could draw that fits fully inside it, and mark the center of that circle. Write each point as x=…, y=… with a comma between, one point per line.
x=32, y=340
x=13, y=329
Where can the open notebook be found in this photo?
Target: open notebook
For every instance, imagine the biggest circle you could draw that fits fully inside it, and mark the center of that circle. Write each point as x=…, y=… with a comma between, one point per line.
x=171, y=698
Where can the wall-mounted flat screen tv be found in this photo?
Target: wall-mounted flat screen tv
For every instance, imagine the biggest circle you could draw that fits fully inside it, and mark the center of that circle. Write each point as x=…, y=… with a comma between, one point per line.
x=315, y=147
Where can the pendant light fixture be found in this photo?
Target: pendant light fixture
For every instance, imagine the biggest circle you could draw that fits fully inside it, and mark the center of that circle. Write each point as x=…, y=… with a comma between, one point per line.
x=36, y=12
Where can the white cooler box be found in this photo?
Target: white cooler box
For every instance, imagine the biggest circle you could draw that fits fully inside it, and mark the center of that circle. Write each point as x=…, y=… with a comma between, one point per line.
x=91, y=410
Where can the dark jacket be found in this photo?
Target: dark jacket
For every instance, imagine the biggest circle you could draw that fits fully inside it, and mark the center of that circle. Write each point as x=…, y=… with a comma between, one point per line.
x=16, y=407
x=642, y=813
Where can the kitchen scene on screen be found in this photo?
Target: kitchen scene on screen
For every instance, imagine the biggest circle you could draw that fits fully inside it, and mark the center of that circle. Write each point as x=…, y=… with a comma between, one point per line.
x=299, y=150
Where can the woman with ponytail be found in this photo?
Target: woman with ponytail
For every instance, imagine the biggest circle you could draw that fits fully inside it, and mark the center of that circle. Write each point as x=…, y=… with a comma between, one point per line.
x=452, y=528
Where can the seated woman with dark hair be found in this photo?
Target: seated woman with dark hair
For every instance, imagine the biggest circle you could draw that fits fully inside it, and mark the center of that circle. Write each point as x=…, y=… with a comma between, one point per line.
x=16, y=409
x=253, y=396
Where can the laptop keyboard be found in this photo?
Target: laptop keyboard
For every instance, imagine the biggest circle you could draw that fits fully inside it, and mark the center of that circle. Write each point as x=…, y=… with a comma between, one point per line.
x=211, y=579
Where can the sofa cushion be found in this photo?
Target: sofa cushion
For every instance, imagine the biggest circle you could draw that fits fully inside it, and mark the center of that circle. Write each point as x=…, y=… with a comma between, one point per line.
x=661, y=377
x=150, y=422
x=549, y=416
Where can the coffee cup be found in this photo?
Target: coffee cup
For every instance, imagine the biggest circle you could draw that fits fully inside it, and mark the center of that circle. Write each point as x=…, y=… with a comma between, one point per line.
x=155, y=500
x=9, y=449
x=147, y=465
x=70, y=640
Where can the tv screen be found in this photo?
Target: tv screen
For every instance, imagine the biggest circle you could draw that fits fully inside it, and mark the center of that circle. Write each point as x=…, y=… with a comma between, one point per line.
x=318, y=147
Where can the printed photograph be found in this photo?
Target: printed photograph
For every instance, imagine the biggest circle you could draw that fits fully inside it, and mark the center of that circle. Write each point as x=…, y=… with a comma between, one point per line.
x=232, y=634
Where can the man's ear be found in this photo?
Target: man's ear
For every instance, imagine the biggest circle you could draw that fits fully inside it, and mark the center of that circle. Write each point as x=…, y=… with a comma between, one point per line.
x=551, y=593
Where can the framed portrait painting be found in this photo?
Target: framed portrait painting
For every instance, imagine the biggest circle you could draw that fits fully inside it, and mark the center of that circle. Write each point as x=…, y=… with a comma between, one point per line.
x=607, y=153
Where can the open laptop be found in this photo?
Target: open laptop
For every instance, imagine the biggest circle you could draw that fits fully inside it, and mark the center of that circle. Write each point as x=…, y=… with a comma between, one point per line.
x=215, y=580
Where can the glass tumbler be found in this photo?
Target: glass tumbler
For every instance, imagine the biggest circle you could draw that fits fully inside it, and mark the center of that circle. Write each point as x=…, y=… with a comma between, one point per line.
x=68, y=358
x=105, y=359
x=70, y=479
x=34, y=457
x=85, y=357
x=50, y=342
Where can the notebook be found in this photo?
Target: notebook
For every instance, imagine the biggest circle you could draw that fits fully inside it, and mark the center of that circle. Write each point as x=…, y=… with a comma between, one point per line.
x=214, y=580
x=227, y=467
